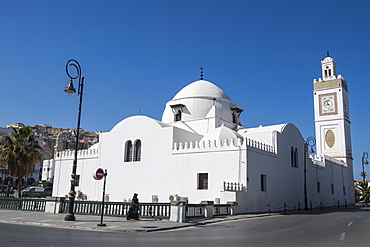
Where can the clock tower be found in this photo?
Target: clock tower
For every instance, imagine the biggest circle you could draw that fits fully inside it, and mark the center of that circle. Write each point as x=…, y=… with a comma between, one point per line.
x=332, y=122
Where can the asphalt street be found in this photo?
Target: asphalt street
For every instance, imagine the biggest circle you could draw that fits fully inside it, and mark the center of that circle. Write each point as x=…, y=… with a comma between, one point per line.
x=335, y=228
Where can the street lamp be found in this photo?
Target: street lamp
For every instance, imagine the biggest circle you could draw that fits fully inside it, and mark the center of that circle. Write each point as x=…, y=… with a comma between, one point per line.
x=70, y=90
x=364, y=162
x=310, y=142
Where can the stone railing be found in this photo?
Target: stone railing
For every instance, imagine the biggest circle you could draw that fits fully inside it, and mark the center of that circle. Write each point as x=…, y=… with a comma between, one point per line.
x=260, y=145
x=147, y=210
x=176, y=211
x=222, y=145
x=209, y=144
x=22, y=204
x=229, y=186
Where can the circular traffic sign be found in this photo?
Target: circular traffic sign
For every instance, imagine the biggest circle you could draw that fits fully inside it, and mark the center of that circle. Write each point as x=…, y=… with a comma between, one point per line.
x=99, y=174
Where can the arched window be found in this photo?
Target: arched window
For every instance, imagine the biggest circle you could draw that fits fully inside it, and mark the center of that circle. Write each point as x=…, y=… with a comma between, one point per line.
x=178, y=116
x=236, y=115
x=234, y=118
x=177, y=111
x=294, y=157
x=128, y=151
x=137, y=150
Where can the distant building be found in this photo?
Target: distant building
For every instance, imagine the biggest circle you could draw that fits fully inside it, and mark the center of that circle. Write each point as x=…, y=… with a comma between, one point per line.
x=15, y=125
x=200, y=151
x=357, y=182
x=48, y=137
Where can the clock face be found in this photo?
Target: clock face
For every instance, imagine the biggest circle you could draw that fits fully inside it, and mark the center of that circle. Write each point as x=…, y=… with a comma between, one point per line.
x=328, y=104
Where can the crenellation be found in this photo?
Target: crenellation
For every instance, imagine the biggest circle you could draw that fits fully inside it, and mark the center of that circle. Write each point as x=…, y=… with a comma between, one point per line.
x=260, y=145
x=223, y=144
x=82, y=153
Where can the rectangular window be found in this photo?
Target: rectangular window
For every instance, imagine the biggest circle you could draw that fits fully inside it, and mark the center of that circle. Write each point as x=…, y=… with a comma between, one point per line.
x=263, y=182
x=77, y=181
x=332, y=188
x=318, y=187
x=202, y=181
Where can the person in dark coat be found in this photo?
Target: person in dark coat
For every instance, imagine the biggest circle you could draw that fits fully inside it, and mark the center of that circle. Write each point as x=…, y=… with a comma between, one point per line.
x=133, y=212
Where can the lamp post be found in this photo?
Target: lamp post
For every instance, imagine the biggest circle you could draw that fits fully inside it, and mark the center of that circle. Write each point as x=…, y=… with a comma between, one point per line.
x=364, y=162
x=70, y=90
x=310, y=142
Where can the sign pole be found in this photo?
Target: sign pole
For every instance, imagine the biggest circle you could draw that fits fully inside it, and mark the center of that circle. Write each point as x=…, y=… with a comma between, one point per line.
x=102, y=204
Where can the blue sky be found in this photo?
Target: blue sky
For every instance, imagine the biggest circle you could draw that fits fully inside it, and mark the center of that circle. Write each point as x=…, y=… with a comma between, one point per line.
x=136, y=55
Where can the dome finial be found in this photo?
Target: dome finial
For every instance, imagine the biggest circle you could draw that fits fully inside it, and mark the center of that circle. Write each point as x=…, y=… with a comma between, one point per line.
x=327, y=54
x=201, y=73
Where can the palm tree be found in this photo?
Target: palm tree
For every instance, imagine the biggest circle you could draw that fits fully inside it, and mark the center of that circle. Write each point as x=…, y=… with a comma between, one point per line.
x=20, y=151
x=364, y=187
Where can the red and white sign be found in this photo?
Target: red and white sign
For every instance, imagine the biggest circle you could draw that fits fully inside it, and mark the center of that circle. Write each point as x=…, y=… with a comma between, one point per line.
x=99, y=174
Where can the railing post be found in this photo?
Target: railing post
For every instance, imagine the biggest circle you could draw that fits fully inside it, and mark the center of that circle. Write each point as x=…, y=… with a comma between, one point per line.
x=284, y=207
x=338, y=204
x=311, y=205
x=20, y=202
x=321, y=205
x=178, y=210
x=269, y=207
x=299, y=206
x=208, y=208
x=233, y=208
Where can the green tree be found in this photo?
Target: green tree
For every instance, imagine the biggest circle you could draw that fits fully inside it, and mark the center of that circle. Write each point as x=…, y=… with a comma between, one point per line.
x=19, y=153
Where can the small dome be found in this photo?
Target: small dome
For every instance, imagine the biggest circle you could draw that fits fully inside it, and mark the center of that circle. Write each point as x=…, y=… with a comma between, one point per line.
x=201, y=88
x=222, y=133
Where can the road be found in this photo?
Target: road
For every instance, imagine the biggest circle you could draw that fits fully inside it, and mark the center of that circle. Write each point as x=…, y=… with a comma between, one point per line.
x=338, y=228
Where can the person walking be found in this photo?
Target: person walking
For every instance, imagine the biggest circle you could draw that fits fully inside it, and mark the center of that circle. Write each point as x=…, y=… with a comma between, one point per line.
x=133, y=212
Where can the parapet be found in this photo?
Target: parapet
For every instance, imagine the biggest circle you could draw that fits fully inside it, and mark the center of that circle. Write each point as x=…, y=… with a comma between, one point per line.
x=222, y=145
x=85, y=153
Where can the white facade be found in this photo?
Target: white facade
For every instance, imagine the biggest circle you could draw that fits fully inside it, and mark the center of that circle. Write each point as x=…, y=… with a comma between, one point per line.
x=201, y=152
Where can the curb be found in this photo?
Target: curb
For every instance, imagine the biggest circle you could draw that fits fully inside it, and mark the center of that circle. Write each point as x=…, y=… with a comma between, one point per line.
x=102, y=229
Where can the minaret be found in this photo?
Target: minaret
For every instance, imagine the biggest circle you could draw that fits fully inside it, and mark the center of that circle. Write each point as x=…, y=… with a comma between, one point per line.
x=332, y=121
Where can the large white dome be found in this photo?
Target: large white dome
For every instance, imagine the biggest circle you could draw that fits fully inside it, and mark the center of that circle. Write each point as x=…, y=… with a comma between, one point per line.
x=202, y=88
x=200, y=107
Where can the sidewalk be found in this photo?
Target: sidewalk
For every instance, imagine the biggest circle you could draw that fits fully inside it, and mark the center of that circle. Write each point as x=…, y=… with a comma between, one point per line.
x=114, y=224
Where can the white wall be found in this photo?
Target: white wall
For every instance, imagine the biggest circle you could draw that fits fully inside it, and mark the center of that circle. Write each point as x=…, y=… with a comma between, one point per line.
x=164, y=171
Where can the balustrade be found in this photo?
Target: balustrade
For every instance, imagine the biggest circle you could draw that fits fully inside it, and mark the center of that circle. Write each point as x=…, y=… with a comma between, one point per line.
x=229, y=186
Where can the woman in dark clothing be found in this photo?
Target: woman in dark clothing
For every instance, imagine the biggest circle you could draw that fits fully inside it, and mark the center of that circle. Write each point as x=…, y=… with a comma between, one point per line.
x=133, y=212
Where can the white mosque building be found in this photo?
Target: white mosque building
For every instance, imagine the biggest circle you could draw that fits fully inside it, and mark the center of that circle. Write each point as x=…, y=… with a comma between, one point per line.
x=199, y=151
